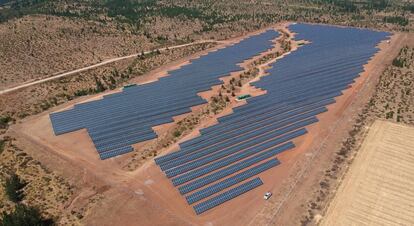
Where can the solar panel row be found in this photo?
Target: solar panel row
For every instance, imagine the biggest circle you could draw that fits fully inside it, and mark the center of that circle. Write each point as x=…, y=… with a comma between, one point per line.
x=242, y=142
x=227, y=161
x=210, y=178
x=260, y=115
x=258, y=144
x=228, y=195
x=217, y=187
x=234, y=136
x=247, y=131
x=115, y=152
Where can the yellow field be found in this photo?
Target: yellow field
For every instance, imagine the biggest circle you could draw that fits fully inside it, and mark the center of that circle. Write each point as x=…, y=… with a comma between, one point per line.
x=379, y=187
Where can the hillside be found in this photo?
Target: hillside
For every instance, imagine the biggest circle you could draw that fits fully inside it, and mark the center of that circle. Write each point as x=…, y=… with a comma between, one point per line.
x=42, y=38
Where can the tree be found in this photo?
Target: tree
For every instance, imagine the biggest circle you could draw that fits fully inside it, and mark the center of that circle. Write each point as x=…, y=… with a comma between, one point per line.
x=13, y=188
x=398, y=62
x=2, y=144
x=4, y=121
x=24, y=215
x=99, y=86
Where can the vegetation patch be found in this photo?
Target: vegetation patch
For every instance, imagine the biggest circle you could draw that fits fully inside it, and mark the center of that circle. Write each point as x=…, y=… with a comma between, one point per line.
x=24, y=215
x=13, y=188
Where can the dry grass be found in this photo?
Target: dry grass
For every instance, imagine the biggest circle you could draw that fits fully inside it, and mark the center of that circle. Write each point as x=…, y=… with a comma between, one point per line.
x=394, y=98
x=377, y=190
x=39, y=46
x=40, y=97
x=44, y=189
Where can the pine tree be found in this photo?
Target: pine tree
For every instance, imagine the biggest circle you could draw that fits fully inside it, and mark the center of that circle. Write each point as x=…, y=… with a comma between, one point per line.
x=24, y=215
x=13, y=188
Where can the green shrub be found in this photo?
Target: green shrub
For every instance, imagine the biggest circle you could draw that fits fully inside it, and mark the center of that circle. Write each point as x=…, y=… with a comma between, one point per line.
x=24, y=216
x=82, y=92
x=4, y=121
x=402, y=21
x=2, y=144
x=177, y=133
x=398, y=62
x=13, y=188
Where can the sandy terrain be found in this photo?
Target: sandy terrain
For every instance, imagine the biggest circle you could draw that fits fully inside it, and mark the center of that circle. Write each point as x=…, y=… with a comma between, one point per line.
x=378, y=188
x=146, y=197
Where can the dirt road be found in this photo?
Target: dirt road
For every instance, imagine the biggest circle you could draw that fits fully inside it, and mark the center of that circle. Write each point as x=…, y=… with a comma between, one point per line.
x=98, y=65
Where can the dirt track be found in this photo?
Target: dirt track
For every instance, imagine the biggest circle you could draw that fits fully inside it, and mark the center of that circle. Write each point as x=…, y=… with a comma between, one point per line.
x=97, y=65
x=378, y=189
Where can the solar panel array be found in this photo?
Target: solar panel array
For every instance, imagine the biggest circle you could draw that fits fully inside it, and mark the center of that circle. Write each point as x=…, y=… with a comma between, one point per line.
x=299, y=87
x=122, y=119
x=210, y=190
x=228, y=195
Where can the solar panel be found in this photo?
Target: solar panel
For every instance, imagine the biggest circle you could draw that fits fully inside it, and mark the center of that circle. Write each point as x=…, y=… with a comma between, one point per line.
x=200, y=182
x=287, y=133
x=226, y=162
x=116, y=152
x=217, y=187
x=228, y=195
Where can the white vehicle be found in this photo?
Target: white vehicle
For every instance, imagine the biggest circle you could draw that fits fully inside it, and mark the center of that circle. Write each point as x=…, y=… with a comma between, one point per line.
x=267, y=195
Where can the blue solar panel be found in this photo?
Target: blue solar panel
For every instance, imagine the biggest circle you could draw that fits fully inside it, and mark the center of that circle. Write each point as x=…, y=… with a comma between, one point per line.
x=234, y=137
x=227, y=161
x=200, y=182
x=115, y=152
x=228, y=195
x=210, y=190
x=256, y=143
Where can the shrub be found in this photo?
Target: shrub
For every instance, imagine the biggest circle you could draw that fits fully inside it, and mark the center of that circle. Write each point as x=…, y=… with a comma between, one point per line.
x=24, y=215
x=13, y=188
x=4, y=121
x=99, y=86
x=177, y=133
x=82, y=92
x=2, y=144
x=398, y=62
x=402, y=21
